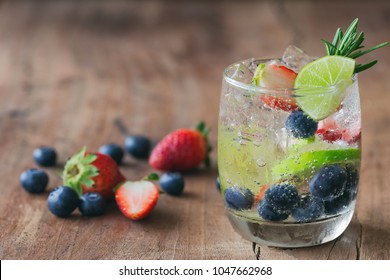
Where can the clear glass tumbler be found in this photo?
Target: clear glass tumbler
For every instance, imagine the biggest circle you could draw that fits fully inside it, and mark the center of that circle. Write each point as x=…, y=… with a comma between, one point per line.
x=280, y=190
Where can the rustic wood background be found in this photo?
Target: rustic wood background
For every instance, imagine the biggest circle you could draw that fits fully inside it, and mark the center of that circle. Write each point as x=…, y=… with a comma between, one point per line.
x=68, y=69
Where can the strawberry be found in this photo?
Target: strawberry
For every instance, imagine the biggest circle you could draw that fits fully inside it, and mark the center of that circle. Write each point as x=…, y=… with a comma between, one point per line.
x=329, y=135
x=272, y=75
x=351, y=136
x=92, y=172
x=328, y=130
x=137, y=199
x=260, y=195
x=119, y=178
x=181, y=150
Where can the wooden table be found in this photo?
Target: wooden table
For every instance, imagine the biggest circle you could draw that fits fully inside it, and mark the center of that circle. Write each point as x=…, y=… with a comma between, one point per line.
x=69, y=69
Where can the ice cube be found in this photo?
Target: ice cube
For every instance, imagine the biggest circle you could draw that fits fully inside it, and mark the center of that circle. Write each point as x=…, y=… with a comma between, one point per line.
x=348, y=117
x=241, y=73
x=295, y=58
x=344, y=125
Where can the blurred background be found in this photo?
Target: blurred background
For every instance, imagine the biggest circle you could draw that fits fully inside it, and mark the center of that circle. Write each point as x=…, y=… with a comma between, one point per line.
x=137, y=58
x=69, y=68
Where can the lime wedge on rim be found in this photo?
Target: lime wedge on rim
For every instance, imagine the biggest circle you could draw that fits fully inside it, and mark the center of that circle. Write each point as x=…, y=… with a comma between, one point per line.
x=321, y=85
x=298, y=164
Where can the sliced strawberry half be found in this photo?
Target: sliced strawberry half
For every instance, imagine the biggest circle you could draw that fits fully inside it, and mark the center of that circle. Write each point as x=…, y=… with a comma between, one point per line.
x=137, y=199
x=328, y=130
x=329, y=135
x=351, y=136
x=272, y=75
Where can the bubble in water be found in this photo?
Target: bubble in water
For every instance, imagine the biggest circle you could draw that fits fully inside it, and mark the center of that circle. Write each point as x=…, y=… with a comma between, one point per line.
x=261, y=162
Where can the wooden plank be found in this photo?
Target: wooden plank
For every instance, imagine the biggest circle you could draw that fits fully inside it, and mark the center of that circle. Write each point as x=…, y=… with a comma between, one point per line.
x=69, y=69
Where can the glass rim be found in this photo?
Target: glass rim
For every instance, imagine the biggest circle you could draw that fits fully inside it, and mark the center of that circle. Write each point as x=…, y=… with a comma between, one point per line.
x=276, y=90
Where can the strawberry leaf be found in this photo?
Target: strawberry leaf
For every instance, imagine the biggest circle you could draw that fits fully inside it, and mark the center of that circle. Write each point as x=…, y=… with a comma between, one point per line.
x=89, y=158
x=201, y=127
x=79, y=171
x=88, y=182
x=151, y=177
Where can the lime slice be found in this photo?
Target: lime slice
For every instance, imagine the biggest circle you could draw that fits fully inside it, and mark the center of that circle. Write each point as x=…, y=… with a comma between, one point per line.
x=321, y=85
x=258, y=73
x=302, y=163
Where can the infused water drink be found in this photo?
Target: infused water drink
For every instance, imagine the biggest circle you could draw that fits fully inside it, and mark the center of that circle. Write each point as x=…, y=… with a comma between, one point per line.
x=287, y=180
x=289, y=142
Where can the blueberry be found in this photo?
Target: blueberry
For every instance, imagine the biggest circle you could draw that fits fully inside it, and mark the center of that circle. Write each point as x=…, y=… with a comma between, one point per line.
x=218, y=184
x=282, y=197
x=114, y=151
x=92, y=204
x=62, y=201
x=45, y=156
x=338, y=204
x=172, y=183
x=238, y=198
x=300, y=125
x=34, y=180
x=138, y=146
x=268, y=213
x=308, y=210
x=329, y=182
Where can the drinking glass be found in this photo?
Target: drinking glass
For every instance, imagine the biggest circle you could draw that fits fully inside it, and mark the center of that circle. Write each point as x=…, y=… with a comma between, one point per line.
x=279, y=190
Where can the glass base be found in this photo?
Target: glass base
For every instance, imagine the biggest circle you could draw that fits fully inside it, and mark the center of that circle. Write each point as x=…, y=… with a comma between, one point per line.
x=291, y=235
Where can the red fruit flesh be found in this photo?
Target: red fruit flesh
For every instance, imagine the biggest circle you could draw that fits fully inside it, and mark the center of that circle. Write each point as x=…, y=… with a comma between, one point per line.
x=328, y=130
x=329, y=135
x=278, y=76
x=182, y=150
x=137, y=199
x=282, y=103
x=350, y=136
x=260, y=195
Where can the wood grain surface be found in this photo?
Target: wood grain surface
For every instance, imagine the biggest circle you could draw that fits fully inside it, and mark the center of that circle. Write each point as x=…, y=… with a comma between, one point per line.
x=68, y=69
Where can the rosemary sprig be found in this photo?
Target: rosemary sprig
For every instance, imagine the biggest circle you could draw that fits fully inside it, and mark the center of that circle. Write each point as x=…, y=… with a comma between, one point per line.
x=349, y=44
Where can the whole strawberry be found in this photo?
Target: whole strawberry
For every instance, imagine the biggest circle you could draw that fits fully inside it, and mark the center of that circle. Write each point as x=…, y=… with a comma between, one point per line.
x=182, y=150
x=92, y=172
